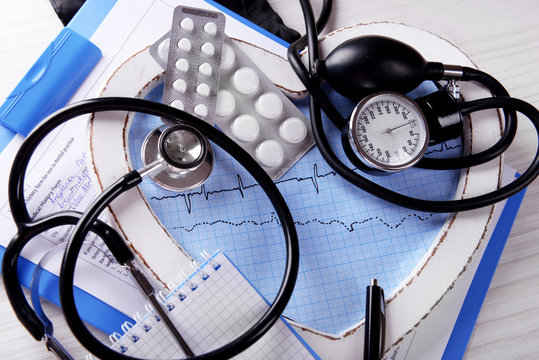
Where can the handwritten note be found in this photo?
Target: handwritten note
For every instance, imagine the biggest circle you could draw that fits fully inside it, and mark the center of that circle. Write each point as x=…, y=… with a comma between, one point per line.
x=59, y=179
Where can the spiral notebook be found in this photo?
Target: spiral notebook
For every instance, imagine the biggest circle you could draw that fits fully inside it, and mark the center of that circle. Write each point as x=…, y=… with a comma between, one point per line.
x=212, y=307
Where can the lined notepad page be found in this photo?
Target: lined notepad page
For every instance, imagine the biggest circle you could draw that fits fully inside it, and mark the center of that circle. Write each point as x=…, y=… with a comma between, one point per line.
x=213, y=307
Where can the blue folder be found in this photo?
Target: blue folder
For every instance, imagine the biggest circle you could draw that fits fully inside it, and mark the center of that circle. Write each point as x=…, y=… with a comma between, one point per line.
x=463, y=328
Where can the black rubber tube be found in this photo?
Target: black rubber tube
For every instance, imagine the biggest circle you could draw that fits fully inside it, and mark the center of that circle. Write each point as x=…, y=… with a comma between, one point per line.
x=68, y=265
x=26, y=233
x=505, y=140
x=28, y=228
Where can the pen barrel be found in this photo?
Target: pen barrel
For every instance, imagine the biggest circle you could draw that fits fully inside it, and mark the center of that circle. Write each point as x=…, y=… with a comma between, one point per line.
x=374, y=323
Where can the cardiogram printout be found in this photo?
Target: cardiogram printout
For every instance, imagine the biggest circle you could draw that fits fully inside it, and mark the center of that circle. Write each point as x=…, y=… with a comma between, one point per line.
x=346, y=236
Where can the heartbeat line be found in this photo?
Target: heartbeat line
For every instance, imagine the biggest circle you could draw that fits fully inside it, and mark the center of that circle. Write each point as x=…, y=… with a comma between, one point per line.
x=443, y=147
x=241, y=187
x=350, y=227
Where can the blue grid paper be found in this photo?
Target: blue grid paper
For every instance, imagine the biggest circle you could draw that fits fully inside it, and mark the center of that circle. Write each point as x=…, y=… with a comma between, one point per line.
x=346, y=236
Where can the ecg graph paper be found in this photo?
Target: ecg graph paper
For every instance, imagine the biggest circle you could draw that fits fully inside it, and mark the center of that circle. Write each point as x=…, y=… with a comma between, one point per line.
x=214, y=307
x=346, y=236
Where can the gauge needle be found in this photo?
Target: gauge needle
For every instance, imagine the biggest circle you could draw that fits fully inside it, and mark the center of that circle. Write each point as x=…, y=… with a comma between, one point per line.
x=396, y=127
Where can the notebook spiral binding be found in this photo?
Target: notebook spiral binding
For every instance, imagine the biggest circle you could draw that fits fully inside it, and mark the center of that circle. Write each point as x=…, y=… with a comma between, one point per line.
x=187, y=284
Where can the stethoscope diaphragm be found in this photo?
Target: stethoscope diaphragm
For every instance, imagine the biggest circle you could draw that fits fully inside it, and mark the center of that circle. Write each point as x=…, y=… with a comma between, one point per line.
x=187, y=153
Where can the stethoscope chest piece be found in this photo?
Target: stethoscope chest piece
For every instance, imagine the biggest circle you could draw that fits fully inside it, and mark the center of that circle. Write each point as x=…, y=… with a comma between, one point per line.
x=388, y=131
x=188, y=154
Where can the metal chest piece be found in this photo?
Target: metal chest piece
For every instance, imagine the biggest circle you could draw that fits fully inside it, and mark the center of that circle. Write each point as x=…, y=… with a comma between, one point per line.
x=188, y=154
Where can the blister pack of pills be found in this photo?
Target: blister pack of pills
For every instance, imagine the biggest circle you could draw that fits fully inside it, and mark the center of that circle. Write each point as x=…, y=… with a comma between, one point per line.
x=248, y=107
x=194, y=55
x=257, y=115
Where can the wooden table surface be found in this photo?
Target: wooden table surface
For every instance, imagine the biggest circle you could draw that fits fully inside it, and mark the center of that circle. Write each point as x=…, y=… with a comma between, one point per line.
x=501, y=37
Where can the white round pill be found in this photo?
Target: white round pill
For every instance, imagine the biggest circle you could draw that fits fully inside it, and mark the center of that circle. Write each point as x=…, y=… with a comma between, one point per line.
x=184, y=44
x=225, y=103
x=205, y=69
x=210, y=28
x=187, y=24
x=245, y=127
x=269, y=105
x=227, y=57
x=182, y=65
x=203, y=90
x=245, y=80
x=207, y=49
x=162, y=49
x=293, y=130
x=270, y=153
x=178, y=104
x=201, y=110
x=179, y=85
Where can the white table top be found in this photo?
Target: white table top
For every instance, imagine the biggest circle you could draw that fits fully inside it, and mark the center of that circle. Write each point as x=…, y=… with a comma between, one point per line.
x=501, y=37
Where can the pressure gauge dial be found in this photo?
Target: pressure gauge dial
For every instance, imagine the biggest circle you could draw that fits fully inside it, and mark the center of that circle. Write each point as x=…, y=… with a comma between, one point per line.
x=388, y=131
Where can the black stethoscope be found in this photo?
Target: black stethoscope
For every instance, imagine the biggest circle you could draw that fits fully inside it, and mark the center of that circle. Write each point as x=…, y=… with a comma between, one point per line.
x=182, y=147
x=389, y=132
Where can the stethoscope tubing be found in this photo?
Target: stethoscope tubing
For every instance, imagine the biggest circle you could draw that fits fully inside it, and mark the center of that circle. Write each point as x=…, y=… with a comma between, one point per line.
x=87, y=222
x=27, y=232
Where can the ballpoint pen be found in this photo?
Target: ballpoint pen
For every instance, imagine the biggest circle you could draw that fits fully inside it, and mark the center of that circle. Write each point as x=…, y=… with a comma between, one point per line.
x=375, y=322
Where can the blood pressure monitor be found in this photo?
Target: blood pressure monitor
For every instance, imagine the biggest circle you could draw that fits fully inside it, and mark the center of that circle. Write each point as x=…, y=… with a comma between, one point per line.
x=388, y=131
